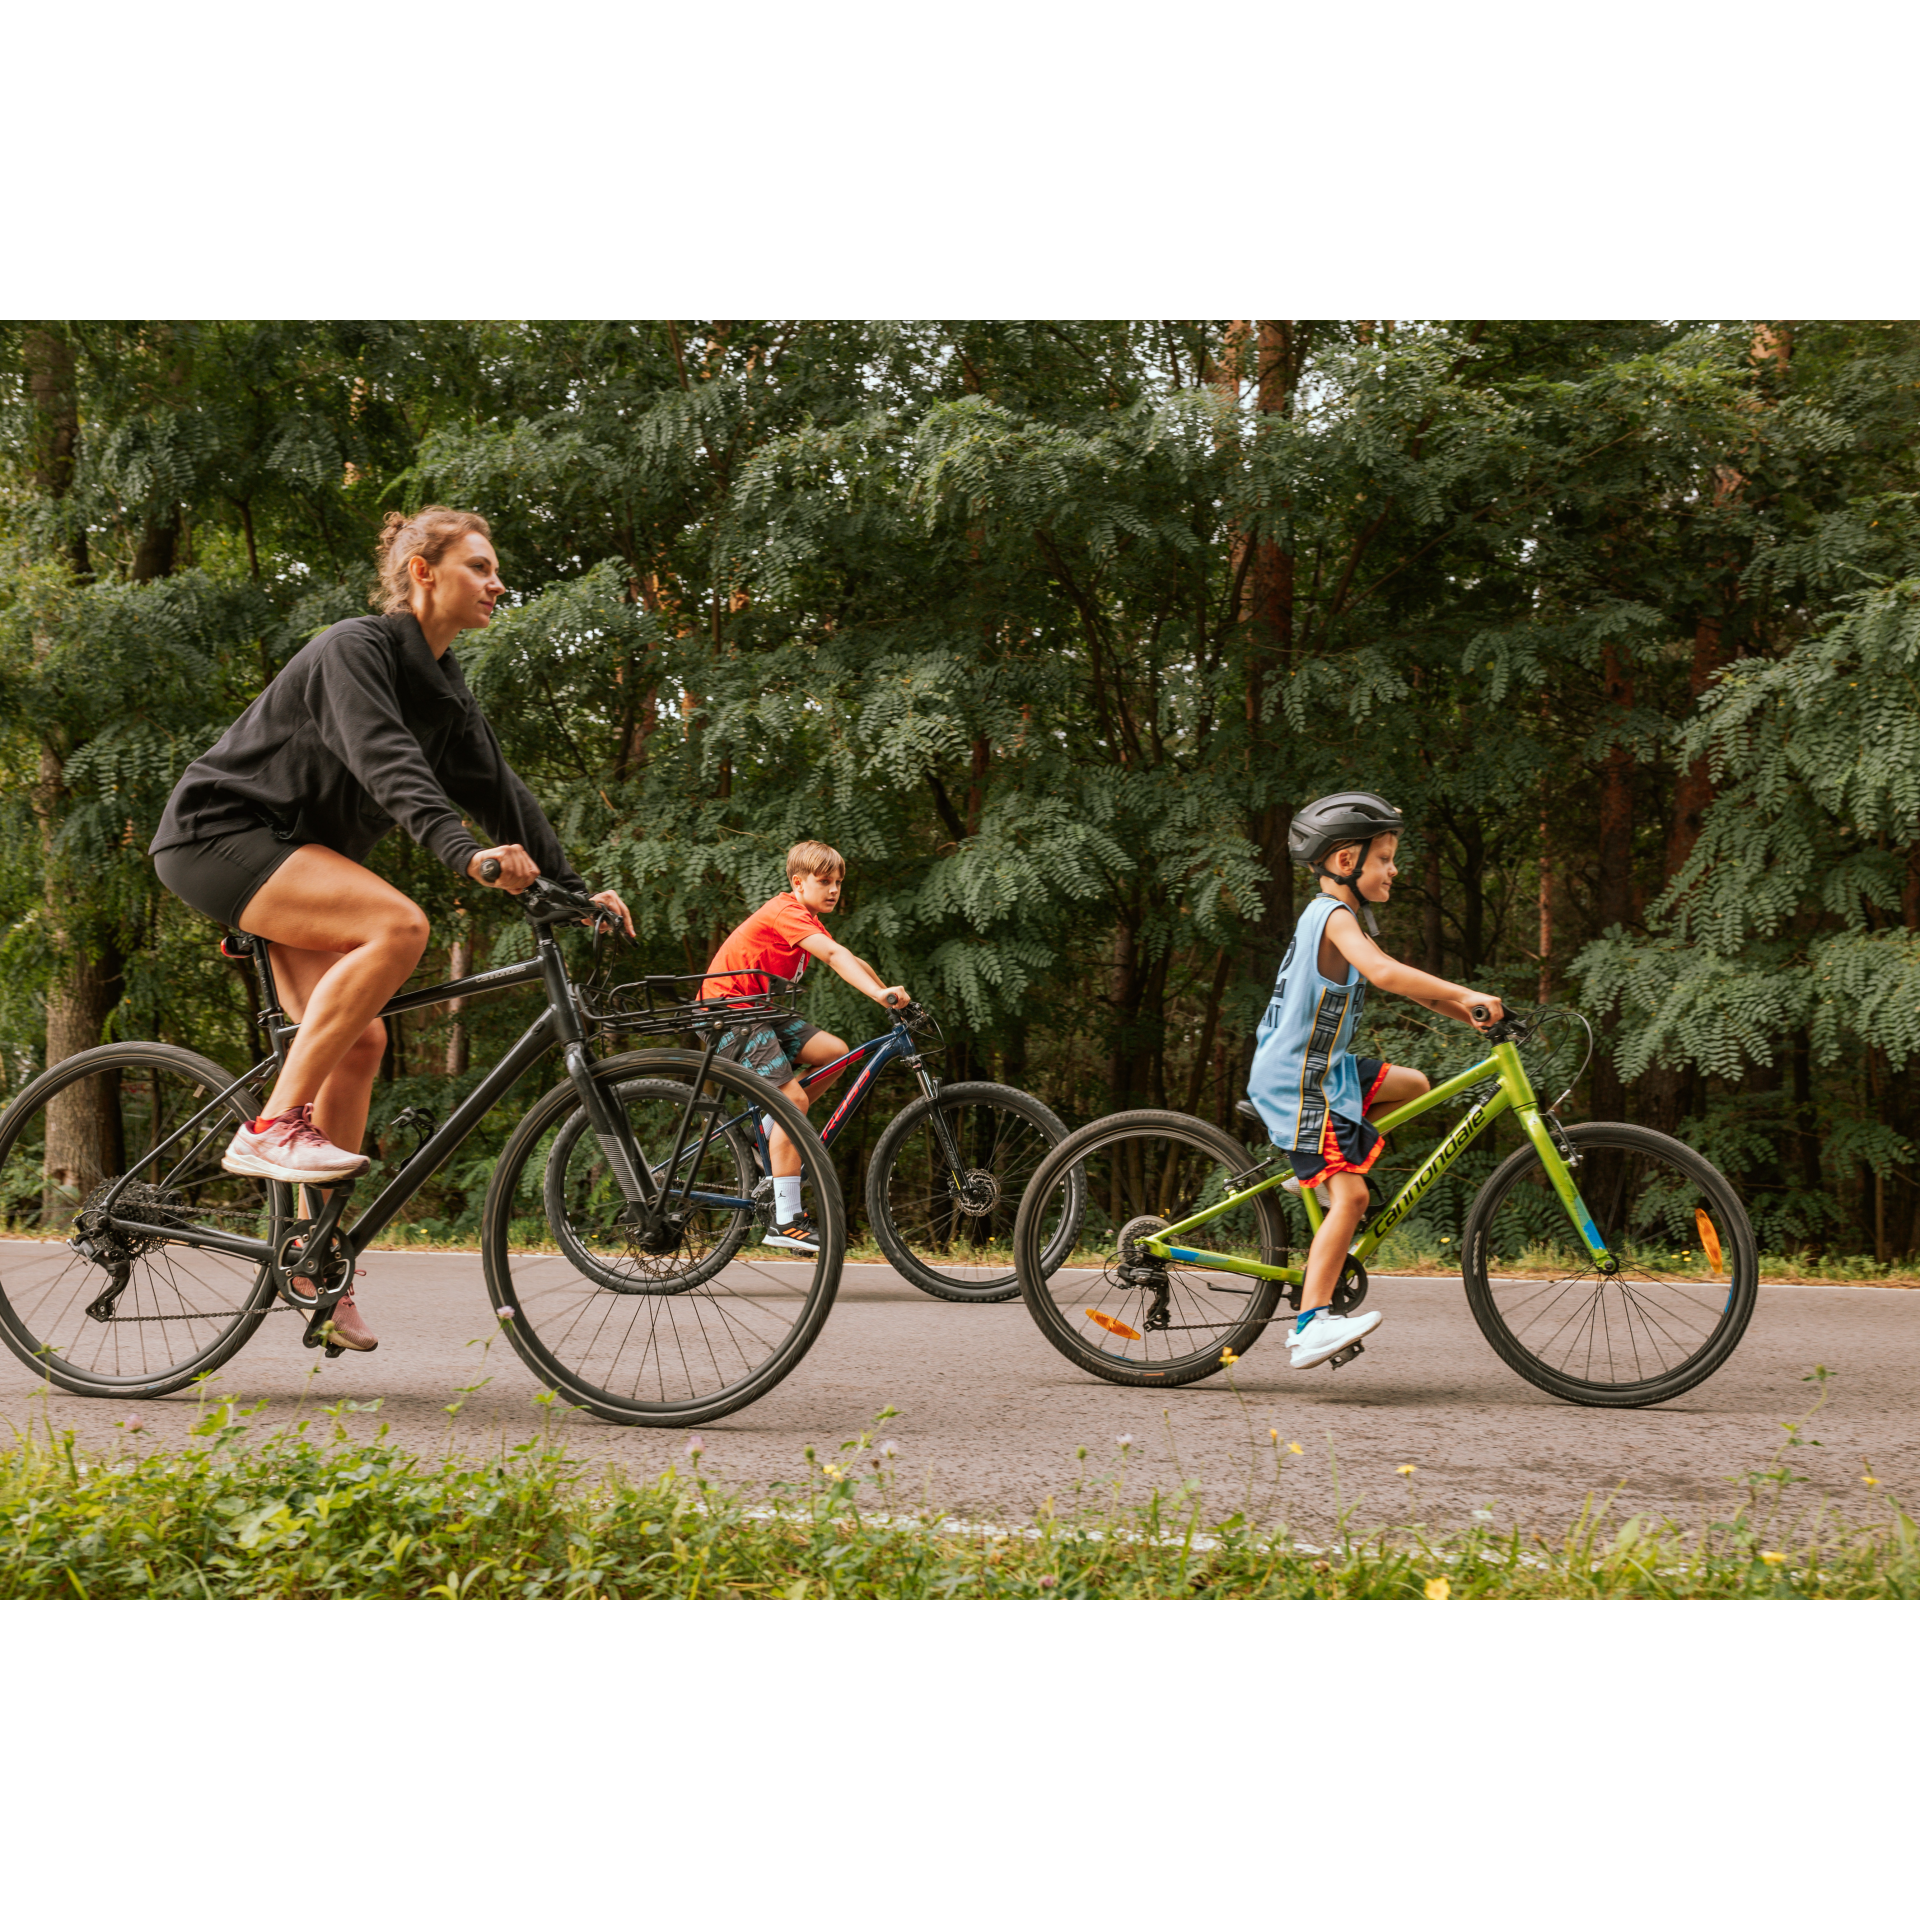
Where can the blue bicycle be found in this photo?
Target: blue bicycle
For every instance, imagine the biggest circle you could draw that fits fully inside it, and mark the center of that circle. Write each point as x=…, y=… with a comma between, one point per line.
x=943, y=1187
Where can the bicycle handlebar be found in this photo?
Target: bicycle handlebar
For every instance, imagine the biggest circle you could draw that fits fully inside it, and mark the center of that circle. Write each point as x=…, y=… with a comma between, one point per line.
x=550, y=903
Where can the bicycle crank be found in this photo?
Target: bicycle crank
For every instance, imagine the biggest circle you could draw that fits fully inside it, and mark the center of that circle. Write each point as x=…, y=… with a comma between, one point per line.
x=1348, y=1291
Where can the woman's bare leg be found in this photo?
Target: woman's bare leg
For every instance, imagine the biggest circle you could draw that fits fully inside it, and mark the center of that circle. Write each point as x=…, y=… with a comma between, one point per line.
x=340, y=1107
x=369, y=937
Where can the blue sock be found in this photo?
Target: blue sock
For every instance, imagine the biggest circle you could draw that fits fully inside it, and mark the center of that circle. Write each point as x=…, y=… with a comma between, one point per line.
x=1306, y=1319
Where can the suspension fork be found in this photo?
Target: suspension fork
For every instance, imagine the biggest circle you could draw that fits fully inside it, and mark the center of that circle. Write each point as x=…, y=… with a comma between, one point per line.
x=942, y=1126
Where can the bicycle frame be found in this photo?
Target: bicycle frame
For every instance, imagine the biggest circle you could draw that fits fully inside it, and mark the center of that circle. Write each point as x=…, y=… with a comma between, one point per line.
x=879, y=1053
x=1513, y=1092
x=559, y=1025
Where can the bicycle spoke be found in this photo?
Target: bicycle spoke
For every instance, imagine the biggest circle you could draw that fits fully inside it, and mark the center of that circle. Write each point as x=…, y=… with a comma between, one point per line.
x=643, y=1311
x=182, y=1308
x=1665, y=1312
x=1111, y=1305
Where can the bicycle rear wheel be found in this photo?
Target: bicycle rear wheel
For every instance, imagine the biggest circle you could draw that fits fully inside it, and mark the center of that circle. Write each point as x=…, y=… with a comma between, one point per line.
x=699, y=1323
x=1688, y=1277
x=922, y=1212
x=1109, y=1309
x=143, y=1315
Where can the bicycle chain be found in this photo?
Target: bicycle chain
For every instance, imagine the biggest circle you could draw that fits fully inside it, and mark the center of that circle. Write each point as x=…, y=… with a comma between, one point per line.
x=141, y=1319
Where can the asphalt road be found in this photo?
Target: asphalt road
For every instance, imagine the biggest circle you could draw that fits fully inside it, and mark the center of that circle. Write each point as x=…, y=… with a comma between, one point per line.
x=990, y=1417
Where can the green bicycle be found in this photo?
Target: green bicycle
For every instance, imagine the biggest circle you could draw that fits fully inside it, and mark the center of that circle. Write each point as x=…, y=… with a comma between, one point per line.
x=1605, y=1263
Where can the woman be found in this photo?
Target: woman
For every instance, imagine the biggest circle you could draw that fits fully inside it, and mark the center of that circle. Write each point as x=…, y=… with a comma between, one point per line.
x=370, y=724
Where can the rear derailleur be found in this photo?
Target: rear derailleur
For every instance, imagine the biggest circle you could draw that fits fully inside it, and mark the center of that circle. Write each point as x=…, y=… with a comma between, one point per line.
x=1133, y=1266
x=112, y=1247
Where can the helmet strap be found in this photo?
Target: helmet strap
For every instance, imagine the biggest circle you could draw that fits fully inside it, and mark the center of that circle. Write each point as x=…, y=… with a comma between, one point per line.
x=1352, y=885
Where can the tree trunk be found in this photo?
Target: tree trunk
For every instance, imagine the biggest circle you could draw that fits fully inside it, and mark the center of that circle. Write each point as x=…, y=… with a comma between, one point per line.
x=1209, y=1026
x=1270, y=653
x=83, y=1143
x=1613, y=889
x=159, y=543
x=1546, y=914
x=54, y=424
x=1432, y=926
x=459, y=965
x=1473, y=913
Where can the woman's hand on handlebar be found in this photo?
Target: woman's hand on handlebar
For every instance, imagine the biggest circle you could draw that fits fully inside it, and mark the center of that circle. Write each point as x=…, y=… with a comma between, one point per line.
x=511, y=869
x=1485, y=1010
x=614, y=904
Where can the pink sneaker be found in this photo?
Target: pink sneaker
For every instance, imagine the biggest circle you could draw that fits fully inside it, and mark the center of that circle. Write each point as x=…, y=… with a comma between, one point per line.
x=349, y=1330
x=292, y=1149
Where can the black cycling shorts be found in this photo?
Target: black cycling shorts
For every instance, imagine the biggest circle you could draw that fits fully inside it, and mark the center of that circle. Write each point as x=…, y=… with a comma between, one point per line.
x=218, y=877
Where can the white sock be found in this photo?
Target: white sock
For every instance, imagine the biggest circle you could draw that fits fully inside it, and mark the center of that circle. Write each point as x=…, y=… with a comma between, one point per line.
x=786, y=1197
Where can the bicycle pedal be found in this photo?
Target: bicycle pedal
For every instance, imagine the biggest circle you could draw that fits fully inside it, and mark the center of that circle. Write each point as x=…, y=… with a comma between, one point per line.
x=1353, y=1352
x=332, y=1352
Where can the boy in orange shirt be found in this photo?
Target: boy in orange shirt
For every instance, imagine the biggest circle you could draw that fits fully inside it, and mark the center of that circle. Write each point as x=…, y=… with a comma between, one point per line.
x=778, y=939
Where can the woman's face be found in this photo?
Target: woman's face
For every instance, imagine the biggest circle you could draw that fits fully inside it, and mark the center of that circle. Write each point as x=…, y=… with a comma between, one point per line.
x=460, y=587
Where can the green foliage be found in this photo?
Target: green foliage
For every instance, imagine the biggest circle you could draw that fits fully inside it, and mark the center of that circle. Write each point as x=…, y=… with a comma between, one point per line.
x=291, y=1514
x=1048, y=627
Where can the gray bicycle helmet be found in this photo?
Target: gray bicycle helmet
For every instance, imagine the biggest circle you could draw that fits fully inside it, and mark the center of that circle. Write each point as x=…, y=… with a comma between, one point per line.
x=1338, y=820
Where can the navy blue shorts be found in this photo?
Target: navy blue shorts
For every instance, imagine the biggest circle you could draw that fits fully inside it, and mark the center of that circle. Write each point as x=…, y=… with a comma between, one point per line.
x=1346, y=1146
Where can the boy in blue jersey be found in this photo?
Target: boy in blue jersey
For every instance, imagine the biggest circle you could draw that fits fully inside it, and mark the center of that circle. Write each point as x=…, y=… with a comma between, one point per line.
x=1315, y=1097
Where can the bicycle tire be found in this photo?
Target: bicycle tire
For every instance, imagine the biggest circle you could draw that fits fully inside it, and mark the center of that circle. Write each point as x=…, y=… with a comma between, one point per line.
x=911, y=1204
x=655, y=1138
x=669, y=1349
x=184, y=1311
x=1078, y=1306
x=1631, y=1321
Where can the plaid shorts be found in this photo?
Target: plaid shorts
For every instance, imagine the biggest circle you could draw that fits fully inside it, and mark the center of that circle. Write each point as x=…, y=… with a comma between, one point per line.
x=772, y=1052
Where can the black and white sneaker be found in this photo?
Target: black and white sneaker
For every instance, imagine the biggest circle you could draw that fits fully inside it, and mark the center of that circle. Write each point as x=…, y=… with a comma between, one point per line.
x=797, y=1236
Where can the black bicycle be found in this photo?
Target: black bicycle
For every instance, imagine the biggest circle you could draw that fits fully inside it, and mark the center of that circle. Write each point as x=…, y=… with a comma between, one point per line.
x=613, y=1234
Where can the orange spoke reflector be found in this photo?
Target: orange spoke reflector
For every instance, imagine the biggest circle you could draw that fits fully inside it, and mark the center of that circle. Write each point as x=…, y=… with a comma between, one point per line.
x=1710, y=1240
x=1112, y=1325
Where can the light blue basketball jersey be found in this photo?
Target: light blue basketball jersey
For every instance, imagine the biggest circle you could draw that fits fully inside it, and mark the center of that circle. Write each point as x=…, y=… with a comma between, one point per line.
x=1302, y=1068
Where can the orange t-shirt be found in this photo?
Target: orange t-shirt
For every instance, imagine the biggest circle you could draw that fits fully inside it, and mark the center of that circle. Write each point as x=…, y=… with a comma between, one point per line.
x=769, y=940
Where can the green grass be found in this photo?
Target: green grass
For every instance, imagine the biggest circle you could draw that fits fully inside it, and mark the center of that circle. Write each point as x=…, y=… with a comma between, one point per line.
x=312, y=1511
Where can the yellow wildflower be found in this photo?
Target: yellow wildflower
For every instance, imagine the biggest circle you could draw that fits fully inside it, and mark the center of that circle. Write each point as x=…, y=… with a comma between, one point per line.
x=1439, y=1589
x=1408, y=1471
x=1228, y=1356
x=1774, y=1559
x=1294, y=1446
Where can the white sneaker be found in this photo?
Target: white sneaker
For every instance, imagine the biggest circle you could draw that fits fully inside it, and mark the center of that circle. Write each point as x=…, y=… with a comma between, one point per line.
x=293, y=1150
x=1328, y=1334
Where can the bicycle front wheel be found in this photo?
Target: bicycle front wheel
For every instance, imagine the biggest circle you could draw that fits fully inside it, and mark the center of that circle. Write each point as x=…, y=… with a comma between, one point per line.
x=131, y=1315
x=1688, y=1270
x=1104, y=1303
x=948, y=1228
x=683, y=1319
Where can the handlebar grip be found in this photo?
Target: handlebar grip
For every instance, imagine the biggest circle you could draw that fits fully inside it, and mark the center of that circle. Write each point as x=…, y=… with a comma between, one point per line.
x=489, y=871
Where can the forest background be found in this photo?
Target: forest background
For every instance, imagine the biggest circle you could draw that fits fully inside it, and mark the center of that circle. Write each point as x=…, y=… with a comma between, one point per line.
x=1049, y=627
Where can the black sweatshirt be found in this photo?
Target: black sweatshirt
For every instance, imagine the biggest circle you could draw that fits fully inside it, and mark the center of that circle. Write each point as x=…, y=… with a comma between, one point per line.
x=362, y=729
